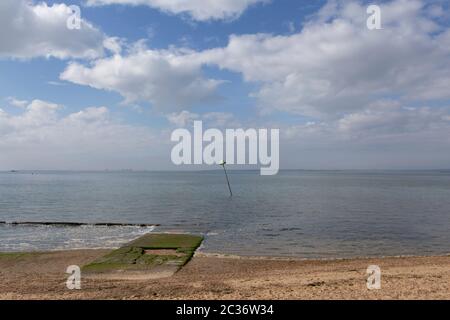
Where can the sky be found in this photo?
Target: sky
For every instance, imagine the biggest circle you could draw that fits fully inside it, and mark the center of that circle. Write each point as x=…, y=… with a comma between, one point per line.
x=109, y=94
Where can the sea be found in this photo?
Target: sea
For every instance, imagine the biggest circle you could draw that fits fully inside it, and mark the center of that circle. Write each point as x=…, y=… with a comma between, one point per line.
x=297, y=213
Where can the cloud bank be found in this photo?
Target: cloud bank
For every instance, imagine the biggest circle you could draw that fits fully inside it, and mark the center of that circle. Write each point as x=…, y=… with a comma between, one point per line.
x=335, y=65
x=354, y=98
x=200, y=10
x=42, y=137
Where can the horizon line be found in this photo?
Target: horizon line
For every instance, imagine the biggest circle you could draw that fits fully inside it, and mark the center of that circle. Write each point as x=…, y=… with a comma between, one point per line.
x=203, y=170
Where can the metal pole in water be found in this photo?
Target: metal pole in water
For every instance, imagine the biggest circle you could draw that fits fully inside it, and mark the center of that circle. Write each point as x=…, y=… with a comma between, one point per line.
x=223, y=163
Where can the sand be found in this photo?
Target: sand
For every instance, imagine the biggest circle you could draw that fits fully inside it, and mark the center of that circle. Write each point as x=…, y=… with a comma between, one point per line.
x=42, y=276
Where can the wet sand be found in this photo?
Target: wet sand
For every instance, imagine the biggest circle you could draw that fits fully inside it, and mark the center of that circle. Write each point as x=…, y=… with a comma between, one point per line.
x=42, y=276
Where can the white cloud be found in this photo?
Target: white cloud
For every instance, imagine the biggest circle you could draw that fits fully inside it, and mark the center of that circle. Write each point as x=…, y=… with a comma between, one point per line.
x=38, y=113
x=168, y=79
x=200, y=10
x=114, y=44
x=211, y=119
x=389, y=118
x=335, y=65
x=41, y=137
x=385, y=135
x=37, y=30
x=332, y=67
x=16, y=102
x=386, y=120
x=377, y=99
x=220, y=119
x=183, y=118
x=56, y=83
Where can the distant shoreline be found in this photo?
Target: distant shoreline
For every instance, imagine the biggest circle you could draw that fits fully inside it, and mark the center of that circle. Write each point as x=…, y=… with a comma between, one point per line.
x=235, y=169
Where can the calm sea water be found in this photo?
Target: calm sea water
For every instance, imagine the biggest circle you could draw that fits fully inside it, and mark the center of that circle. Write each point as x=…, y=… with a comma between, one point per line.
x=306, y=214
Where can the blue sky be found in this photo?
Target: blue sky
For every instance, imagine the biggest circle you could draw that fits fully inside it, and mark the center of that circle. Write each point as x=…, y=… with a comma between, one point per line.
x=341, y=95
x=161, y=30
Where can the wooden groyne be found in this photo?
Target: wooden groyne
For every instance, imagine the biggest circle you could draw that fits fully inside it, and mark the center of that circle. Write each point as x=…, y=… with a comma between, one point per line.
x=79, y=224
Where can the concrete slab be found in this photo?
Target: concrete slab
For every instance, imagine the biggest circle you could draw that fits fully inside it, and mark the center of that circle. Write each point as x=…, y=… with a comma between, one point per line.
x=152, y=256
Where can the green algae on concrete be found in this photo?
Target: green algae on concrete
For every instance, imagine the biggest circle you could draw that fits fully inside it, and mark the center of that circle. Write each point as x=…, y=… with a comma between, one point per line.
x=148, y=252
